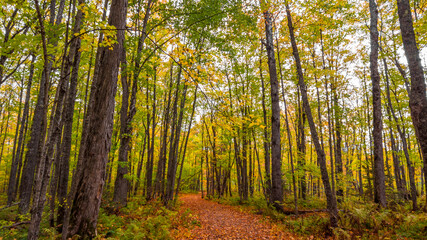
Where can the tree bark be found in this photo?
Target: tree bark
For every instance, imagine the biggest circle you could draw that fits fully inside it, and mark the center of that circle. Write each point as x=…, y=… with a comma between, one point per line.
x=173, y=154
x=266, y=143
x=55, y=129
x=17, y=160
x=186, y=141
x=38, y=128
x=65, y=151
x=301, y=148
x=288, y=132
x=417, y=96
x=159, y=182
x=276, y=155
x=150, y=152
x=90, y=182
x=396, y=162
x=121, y=185
x=127, y=112
x=338, y=151
x=379, y=177
x=330, y=197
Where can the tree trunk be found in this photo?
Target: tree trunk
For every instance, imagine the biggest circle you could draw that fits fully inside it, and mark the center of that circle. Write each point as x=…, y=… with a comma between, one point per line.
x=417, y=97
x=379, y=178
x=288, y=132
x=319, y=112
x=35, y=143
x=141, y=161
x=330, y=197
x=54, y=134
x=159, y=182
x=186, y=141
x=173, y=154
x=90, y=182
x=338, y=153
x=64, y=161
x=396, y=163
x=5, y=128
x=121, y=185
x=15, y=139
x=265, y=140
x=301, y=148
x=276, y=155
x=244, y=169
x=150, y=151
x=38, y=128
x=17, y=160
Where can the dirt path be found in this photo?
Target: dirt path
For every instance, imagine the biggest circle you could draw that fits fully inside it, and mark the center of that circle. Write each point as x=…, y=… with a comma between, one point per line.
x=218, y=221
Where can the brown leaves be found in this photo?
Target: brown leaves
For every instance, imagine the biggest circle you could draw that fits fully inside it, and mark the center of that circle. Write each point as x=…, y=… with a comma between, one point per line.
x=227, y=222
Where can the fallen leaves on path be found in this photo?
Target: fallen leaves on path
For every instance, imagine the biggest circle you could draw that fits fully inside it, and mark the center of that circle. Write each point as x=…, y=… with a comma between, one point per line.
x=218, y=221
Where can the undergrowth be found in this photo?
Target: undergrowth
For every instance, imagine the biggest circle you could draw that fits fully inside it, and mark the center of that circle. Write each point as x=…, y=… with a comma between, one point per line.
x=141, y=220
x=138, y=220
x=358, y=219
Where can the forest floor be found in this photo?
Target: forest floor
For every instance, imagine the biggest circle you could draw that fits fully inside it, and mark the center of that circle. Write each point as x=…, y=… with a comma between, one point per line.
x=219, y=221
x=229, y=218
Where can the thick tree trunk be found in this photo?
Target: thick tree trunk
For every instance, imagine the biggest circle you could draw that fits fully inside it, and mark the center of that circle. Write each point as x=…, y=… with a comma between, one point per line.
x=90, y=182
x=330, y=197
x=266, y=143
x=276, y=155
x=379, y=177
x=121, y=185
x=127, y=112
x=417, y=97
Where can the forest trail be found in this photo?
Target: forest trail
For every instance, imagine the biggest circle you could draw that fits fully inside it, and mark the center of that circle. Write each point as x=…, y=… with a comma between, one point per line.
x=218, y=221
